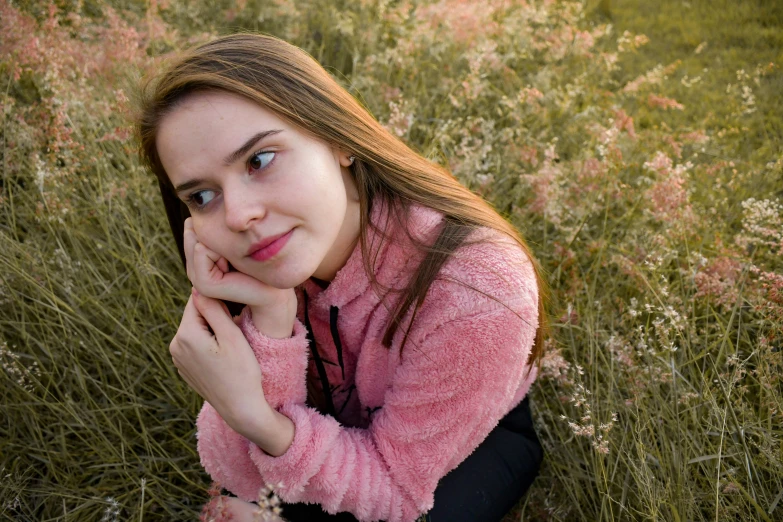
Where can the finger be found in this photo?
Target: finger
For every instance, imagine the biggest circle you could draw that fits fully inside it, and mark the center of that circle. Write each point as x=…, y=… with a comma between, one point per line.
x=243, y=510
x=214, y=257
x=189, y=240
x=217, y=259
x=242, y=288
x=210, y=270
x=193, y=320
x=222, y=304
x=216, y=313
x=203, y=264
x=212, y=275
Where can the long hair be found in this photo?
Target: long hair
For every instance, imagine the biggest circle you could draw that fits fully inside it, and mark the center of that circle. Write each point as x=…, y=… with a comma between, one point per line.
x=286, y=80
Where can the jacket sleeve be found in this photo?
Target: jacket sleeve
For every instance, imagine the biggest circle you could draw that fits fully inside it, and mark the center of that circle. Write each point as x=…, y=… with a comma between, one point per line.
x=223, y=451
x=455, y=382
x=283, y=361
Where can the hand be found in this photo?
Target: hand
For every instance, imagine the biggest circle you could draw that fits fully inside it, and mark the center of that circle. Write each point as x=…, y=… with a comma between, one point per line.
x=209, y=273
x=237, y=510
x=222, y=368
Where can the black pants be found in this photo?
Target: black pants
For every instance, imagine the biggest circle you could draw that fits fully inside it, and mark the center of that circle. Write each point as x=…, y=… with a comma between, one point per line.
x=483, y=488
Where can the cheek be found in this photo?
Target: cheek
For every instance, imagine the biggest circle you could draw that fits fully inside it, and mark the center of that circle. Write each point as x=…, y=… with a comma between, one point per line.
x=210, y=237
x=313, y=175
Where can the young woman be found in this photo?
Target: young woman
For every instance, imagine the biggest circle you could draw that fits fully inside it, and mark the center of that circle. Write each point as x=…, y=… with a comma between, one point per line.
x=387, y=319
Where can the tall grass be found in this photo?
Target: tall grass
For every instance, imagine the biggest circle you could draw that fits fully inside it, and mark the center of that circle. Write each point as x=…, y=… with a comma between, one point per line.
x=638, y=148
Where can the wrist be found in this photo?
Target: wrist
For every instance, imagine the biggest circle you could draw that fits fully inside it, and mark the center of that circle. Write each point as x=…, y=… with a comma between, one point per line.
x=270, y=430
x=276, y=322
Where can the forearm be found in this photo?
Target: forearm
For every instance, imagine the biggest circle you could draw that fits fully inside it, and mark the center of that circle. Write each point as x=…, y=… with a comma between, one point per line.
x=270, y=430
x=340, y=468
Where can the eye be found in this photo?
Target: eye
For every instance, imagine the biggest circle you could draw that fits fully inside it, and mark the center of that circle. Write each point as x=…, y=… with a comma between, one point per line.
x=260, y=160
x=200, y=198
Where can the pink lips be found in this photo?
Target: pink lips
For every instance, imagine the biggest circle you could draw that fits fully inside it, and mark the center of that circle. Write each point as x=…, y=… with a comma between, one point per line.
x=271, y=249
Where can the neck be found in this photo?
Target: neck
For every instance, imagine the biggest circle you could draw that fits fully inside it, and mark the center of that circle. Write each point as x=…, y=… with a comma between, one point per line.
x=320, y=282
x=344, y=246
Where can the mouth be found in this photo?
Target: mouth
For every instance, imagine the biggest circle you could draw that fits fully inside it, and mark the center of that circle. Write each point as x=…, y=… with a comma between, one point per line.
x=269, y=247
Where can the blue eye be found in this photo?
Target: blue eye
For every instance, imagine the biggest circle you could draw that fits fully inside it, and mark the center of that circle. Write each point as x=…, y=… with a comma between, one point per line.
x=260, y=160
x=197, y=199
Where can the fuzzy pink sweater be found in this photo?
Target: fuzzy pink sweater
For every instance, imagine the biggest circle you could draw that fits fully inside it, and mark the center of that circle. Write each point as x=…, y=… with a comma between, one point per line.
x=401, y=424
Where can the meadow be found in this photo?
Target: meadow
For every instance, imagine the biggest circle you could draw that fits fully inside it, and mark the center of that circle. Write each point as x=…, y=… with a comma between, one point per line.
x=638, y=146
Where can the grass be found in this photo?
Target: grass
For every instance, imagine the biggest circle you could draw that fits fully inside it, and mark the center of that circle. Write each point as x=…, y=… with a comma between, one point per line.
x=659, y=230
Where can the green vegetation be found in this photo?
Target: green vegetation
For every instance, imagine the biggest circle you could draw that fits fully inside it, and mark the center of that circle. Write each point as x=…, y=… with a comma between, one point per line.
x=637, y=145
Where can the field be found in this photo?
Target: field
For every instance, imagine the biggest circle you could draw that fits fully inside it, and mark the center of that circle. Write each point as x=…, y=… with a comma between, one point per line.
x=637, y=145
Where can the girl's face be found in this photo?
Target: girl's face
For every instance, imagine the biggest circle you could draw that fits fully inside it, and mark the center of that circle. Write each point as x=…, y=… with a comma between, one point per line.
x=247, y=175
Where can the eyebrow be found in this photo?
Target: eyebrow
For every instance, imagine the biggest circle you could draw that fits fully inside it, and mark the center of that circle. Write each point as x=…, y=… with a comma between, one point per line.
x=231, y=158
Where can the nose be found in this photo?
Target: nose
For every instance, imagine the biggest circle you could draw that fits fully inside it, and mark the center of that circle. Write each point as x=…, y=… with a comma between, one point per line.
x=241, y=207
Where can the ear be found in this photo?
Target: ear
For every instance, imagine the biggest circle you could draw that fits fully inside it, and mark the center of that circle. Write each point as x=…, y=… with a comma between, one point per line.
x=344, y=158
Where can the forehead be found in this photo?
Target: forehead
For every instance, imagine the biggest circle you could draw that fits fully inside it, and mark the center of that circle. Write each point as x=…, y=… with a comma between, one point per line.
x=205, y=127
x=211, y=112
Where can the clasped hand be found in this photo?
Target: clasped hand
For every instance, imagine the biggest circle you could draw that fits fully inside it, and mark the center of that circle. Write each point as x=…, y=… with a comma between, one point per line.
x=221, y=367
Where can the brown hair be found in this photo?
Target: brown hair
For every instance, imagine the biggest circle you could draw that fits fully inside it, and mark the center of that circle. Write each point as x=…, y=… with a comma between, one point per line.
x=285, y=79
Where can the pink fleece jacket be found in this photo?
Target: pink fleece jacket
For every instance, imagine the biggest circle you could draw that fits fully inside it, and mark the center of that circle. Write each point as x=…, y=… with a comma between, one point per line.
x=401, y=424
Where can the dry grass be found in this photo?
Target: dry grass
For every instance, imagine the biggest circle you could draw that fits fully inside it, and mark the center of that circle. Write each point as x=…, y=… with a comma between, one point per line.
x=651, y=194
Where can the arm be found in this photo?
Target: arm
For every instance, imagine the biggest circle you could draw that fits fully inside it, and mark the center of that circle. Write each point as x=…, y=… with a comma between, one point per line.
x=453, y=386
x=458, y=377
x=445, y=399
x=283, y=361
x=223, y=451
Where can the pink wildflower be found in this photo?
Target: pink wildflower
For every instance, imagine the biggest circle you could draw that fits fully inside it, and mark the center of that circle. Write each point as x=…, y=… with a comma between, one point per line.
x=653, y=77
x=529, y=95
x=400, y=119
x=697, y=137
x=669, y=198
x=623, y=121
x=675, y=145
x=592, y=168
x=554, y=366
x=529, y=155
x=583, y=42
x=118, y=134
x=544, y=186
x=390, y=93
x=770, y=300
x=715, y=167
x=590, y=175
x=464, y=21
x=661, y=163
x=663, y=102
x=621, y=351
x=631, y=42
x=669, y=195
x=719, y=280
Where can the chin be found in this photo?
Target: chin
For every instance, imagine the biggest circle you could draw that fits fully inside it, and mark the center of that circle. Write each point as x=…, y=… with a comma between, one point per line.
x=285, y=277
